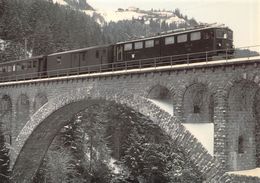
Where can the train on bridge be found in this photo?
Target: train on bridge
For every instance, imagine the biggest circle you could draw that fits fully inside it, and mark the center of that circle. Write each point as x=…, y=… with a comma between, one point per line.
x=176, y=47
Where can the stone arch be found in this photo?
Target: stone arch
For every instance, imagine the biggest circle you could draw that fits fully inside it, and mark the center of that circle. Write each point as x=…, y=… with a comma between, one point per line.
x=35, y=137
x=241, y=124
x=39, y=100
x=160, y=92
x=6, y=117
x=197, y=104
x=22, y=113
x=163, y=97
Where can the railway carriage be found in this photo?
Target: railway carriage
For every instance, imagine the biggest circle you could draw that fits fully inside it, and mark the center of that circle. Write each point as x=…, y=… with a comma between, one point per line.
x=79, y=61
x=23, y=69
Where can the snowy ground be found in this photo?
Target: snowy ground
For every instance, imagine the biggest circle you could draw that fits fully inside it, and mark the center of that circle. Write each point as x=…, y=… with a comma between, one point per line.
x=204, y=132
x=115, y=16
x=115, y=168
x=62, y=2
x=253, y=172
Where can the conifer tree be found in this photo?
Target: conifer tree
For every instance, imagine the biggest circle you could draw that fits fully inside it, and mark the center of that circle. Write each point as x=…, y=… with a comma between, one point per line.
x=4, y=158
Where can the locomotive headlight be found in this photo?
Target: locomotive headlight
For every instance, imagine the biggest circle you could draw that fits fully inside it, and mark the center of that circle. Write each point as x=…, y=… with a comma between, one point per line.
x=219, y=44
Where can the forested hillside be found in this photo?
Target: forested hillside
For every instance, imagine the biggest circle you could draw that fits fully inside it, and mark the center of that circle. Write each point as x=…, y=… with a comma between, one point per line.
x=42, y=27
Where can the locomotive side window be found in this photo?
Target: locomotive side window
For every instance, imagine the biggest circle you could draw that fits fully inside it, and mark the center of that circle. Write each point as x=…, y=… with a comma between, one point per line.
x=182, y=38
x=18, y=67
x=59, y=60
x=169, y=40
x=4, y=68
x=24, y=66
x=195, y=36
x=9, y=68
x=149, y=43
x=138, y=45
x=128, y=47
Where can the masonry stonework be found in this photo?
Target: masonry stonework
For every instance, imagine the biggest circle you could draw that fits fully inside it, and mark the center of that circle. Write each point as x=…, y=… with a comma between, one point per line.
x=227, y=96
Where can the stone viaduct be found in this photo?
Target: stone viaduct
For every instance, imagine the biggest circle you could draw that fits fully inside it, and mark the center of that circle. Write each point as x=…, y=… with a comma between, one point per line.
x=226, y=94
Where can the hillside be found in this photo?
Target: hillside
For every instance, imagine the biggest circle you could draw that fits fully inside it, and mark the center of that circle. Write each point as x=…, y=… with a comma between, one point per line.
x=77, y=4
x=131, y=13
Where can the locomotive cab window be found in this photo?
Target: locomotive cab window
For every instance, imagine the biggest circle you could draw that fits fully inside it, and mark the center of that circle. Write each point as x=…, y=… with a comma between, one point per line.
x=138, y=45
x=149, y=43
x=182, y=38
x=230, y=35
x=220, y=33
x=169, y=40
x=195, y=36
x=128, y=47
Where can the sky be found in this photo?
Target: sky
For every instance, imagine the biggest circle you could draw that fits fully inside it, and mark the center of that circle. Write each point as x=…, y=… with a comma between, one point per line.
x=242, y=16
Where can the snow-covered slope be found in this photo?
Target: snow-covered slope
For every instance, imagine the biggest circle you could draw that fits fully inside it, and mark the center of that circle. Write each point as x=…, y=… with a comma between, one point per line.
x=135, y=13
x=61, y=2
x=130, y=13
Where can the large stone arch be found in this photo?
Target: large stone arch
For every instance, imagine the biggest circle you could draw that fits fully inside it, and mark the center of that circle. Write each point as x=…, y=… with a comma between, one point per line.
x=6, y=117
x=35, y=137
x=39, y=100
x=22, y=113
x=242, y=122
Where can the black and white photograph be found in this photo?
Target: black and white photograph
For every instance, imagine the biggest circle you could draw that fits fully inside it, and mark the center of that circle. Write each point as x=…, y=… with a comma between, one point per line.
x=129, y=91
